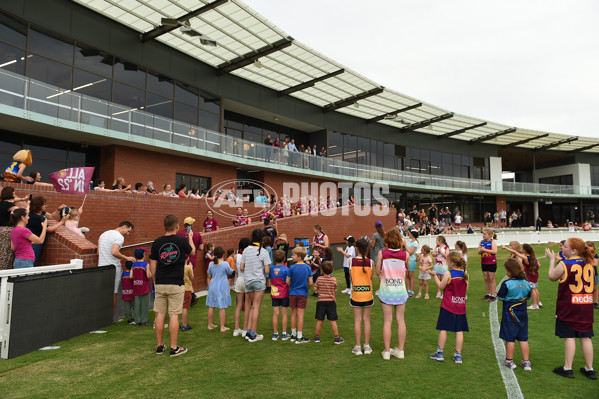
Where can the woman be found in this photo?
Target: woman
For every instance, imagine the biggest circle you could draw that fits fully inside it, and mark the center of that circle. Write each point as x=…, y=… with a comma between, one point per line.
x=412, y=249
x=391, y=269
x=167, y=191
x=119, y=185
x=210, y=223
x=37, y=216
x=100, y=185
x=37, y=179
x=181, y=192
x=378, y=240
x=7, y=205
x=22, y=239
x=255, y=264
x=320, y=240
x=195, y=193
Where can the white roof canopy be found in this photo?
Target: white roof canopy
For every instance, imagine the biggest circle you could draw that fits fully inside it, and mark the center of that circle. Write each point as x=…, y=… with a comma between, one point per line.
x=251, y=47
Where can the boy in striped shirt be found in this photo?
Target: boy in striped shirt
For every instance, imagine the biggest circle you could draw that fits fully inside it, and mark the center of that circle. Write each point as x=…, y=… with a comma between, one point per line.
x=326, y=287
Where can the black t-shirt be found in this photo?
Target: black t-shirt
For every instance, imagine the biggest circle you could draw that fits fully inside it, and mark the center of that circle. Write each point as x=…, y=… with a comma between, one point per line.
x=169, y=252
x=271, y=232
x=35, y=223
x=283, y=247
x=5, y=213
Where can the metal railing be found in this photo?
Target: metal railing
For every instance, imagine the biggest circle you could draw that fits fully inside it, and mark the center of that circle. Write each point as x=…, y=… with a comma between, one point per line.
x=30, y=95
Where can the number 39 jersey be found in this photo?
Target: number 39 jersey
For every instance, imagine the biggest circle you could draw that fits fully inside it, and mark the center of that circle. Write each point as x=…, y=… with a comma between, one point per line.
x=575, y=294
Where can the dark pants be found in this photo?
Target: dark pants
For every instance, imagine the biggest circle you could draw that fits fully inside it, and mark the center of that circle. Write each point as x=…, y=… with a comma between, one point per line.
x=37, y=250
x=347, y=277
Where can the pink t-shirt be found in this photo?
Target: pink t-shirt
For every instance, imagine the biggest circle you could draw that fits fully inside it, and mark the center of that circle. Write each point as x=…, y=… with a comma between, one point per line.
x=23, y=247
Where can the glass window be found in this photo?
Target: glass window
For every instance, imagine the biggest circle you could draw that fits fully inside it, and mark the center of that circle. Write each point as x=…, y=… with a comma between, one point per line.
x=415, y=153
x=234, y=124
x=127, y=95
x=436, y=156
x=457, y=159
x=187, y=94
x=49, y=71
x=364, y=144
x=13, y=31
x=94, y=60
x=77, y=157
x=130, y=74
x=93, y=85
x=186, y=113
x=12, y=59
x=210, y=103
x=159, y=105
x=209, y=120
x=335, y=139
x=350, y=141
x=234, y=133
x=389, y=149
x=161, y=85
x=425, y=155
x=389, y=161
x=51, y=46
x=447, y=164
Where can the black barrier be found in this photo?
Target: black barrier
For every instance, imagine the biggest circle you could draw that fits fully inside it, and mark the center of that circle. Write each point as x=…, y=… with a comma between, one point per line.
x=52, y=307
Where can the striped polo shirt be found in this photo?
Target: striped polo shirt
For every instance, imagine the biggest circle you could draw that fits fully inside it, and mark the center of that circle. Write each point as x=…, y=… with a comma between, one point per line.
x=326, y=287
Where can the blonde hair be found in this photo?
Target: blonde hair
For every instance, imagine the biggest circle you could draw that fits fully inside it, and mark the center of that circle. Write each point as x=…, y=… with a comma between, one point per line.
x=491, y=233
x=73, y=213
x=299, y=251
x=118, y=182
x=457, y=261
x=516, y=246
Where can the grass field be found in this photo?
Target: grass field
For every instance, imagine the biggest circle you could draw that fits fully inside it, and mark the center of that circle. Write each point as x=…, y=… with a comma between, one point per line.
x=122, y=363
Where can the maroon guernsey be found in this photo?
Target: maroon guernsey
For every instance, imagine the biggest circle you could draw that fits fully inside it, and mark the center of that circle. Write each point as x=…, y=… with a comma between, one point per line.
x=575, y=294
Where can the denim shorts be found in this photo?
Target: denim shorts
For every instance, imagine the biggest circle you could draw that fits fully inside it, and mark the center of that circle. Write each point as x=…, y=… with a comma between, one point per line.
x=255, y=286
x=22, y=263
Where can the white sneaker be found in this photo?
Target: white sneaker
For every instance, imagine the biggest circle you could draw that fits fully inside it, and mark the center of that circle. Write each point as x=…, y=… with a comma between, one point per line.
x=367, y=350
x=244, y=333
x=237, y=333
x=258, y=337
x=397, y=353
x=540, y=304
x=532, y=307
x=386, y=355
x=357, y=350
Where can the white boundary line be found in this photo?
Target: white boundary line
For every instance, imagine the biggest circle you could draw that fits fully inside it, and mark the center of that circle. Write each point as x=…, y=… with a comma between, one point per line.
x=510, y=381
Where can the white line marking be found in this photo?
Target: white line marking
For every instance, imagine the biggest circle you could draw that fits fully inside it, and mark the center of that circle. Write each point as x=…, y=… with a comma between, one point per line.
x=510, y=381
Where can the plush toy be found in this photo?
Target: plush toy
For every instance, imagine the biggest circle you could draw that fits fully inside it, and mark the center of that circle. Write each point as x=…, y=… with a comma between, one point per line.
x=14, y=172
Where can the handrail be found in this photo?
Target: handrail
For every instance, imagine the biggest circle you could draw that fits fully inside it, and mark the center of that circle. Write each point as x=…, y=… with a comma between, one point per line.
x=34, y=96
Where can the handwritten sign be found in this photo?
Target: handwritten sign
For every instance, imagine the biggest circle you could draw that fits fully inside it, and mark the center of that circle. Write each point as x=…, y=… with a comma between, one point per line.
x=72, y=180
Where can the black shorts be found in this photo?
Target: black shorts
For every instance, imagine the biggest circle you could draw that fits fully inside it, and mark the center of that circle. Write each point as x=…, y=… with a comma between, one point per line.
x=489, y=268
x=563, y=330
x=283, y=302
x=366, y=304
x=328, y=308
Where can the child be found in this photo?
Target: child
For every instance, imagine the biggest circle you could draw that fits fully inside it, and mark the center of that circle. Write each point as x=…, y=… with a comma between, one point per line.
x=72, y=223
x=315, y=266
x=514, y=319
x=530, y=266
x=574, y=307
x=362, y=299
x=462, y=249
x=243, y=301
x=209, y=255
x=141, y=287
x=440, y=254
x=231, y=262
x=328, y=254
x=267, y=245
x=326, y=286
x=426, y=264
x=299, y=280
x=488, y=254
x=279, y=294
x=348, y=254
x=591, y=246
x=452, y=316
x=218, y=289
x=187, y=278
x=127, y=293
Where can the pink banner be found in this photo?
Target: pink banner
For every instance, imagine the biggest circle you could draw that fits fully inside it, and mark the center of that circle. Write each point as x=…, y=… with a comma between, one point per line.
x=72, y=180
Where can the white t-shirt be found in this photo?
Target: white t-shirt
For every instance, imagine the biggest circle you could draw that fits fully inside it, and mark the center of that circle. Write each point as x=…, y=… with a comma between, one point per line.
x=254, y=264
x=105, y=243
x=458, y=219
x=351, y=251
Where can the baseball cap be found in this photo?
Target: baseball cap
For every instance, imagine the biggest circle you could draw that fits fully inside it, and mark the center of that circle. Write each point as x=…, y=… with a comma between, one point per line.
x=349, y=239
x=378, y=224
x=139, y=253
x=189, y=220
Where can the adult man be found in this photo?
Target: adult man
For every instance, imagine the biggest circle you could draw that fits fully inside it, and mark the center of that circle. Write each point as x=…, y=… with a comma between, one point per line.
x=269, y=143
x=150, y=188
x=197, y=238
x=109, y=246
x=167, y=264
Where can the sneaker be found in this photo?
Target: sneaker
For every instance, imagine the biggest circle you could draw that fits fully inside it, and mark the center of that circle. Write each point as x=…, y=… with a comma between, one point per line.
x=410, y=294
x=395, y=352
x=338, y=340
x=237, y=333
x=302, y=340
x=275, y=336
x=185, y=328
x=256, y=338
x=439, y=296
x=315, y=295
x=426, y=296
x=492, y=298
x=357, y=350
x=293, y=338
x=367, y=350
x=194, y=300
x=438, y=356
x=317, y=339
x=510, y=364
x=540, y=304
x=160, y=349
x=285, y=336
x=418, y=296
x=564, y=373
x=485, y=298
x=179, y=351
x=386, y=355
x=532, y=307
x=457, y=358
x=244, y=333
x=526, y=365
x=131, y=321
x=595, y=305
x=591, y=374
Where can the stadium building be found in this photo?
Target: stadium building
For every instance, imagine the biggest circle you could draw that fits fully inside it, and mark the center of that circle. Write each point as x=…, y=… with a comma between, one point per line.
x=187, y=90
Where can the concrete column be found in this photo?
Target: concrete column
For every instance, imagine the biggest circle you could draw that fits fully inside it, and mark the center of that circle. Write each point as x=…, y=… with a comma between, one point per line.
x=495, y=170
x=535, y=211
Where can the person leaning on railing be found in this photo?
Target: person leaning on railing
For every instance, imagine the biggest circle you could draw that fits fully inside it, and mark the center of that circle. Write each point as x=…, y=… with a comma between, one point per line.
x=7, y=206
x=22, y=239
x=37, y=216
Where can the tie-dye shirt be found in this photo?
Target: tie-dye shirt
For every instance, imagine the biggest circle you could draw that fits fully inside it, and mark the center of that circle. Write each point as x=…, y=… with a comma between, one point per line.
x=392, y=289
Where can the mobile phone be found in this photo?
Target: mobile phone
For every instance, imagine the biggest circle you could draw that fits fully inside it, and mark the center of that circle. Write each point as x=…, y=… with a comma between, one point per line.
x=188, y=231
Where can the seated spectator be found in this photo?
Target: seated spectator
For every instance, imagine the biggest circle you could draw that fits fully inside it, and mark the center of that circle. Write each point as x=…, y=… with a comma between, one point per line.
x=470, y=230
x=100, y=185
x=37, y=179
x=140, y=189
x=550, y=224
x=195, y=193
x=167, y=191
x=119, y=185
x=182, y=191
x=150, y=188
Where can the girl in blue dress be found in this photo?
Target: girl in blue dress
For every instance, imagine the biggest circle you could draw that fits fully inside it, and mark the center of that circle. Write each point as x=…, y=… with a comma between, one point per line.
x=219, y=295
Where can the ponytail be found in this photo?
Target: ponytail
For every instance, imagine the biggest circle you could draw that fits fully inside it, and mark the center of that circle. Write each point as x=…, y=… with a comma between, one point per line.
x=362, y=246
x=16, y=216
x=457, y=261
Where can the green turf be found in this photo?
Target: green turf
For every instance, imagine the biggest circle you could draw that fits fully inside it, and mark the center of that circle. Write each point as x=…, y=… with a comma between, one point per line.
x=122, y=363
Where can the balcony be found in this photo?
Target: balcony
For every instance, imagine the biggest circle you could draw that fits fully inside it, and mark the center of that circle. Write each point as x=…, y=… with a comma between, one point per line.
x=26, y=98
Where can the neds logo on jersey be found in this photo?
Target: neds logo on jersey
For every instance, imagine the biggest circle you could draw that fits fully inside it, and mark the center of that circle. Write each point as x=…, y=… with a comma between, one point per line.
x=578, y=299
